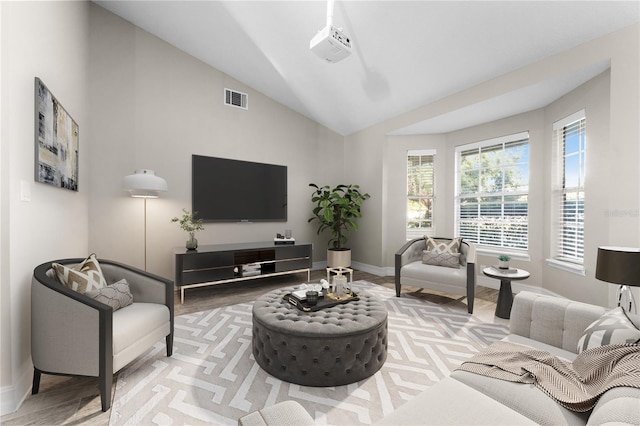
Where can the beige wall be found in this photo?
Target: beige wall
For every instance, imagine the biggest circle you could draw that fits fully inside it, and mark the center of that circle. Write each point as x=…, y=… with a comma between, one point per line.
x=396, y=164
x=594, y=98
x=154, y=106
x=46, y=40
x=612, y=106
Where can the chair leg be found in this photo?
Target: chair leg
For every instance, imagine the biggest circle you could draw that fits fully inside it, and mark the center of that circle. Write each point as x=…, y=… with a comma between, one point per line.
x=169, y=340
x=35, y=388
x=106, y=382
x=470, y=298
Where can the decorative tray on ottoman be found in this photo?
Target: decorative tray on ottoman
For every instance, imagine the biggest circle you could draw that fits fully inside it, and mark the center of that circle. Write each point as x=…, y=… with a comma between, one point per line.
x=327, y=301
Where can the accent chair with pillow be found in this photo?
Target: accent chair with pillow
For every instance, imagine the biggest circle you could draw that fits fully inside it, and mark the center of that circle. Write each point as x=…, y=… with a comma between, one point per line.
x=442, y=264
x=92, y=317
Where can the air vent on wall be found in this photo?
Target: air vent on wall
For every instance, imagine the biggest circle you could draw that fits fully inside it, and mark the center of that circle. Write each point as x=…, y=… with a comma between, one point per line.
x=236, y=99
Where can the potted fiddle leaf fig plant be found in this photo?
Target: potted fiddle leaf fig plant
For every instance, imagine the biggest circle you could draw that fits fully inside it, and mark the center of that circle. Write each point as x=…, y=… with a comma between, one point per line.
x=337, y=210
x=190, y=224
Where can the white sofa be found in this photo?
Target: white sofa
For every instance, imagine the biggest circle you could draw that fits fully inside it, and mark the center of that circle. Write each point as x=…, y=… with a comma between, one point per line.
x=542, y=322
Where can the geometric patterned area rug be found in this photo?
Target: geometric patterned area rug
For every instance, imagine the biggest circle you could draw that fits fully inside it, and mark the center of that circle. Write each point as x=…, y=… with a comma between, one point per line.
x=212, y=377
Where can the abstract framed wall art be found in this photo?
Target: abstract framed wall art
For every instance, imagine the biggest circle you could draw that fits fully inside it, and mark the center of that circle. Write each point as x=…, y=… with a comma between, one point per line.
x=57, y=141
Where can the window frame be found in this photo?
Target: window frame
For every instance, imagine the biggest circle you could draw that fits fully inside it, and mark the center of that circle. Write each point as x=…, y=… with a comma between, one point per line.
x=519, y=252
x=411, y=233
x=559, y=190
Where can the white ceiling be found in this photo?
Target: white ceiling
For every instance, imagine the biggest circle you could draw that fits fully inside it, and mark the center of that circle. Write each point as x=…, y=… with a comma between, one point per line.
x=406, y=53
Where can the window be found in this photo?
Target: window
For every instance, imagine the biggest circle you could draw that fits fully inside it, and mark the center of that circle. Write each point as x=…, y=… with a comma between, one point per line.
x=420, y=193
x=492, y=187
x=570, y=136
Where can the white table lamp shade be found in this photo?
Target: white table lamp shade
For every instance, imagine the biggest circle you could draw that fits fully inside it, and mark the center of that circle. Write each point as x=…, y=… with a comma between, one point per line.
x=144, y=183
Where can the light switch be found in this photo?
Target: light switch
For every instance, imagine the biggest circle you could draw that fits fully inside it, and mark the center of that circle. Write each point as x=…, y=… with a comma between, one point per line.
x=25, y=190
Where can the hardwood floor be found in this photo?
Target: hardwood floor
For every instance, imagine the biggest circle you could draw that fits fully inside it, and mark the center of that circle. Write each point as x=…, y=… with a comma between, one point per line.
x=72, y=401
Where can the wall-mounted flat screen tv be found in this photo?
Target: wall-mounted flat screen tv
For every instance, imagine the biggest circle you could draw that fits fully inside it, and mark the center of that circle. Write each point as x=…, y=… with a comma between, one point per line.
x=225, y=190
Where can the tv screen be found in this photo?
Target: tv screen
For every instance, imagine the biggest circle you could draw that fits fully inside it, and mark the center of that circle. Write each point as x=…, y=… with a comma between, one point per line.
x=225, y=190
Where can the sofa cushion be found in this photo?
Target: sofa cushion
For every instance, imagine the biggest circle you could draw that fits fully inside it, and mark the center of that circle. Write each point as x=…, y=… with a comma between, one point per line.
x=420, y=272
x=83, y=277
x=524, y=398
x=560, y=353
x=614, y=327
x=450, y=402
x=618, y=405
x=552, y=320
x=443, y=246
x=134, y=322
x=441, y=259
x=116, y=295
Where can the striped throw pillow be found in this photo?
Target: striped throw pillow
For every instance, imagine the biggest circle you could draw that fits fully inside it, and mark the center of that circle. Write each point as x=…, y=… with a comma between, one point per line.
x=83, y=277
x=444, y=246
x=612, y=328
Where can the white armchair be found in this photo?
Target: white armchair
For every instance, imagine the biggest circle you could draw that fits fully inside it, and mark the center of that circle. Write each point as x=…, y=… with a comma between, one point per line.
x=410, y=270
x=73, y=334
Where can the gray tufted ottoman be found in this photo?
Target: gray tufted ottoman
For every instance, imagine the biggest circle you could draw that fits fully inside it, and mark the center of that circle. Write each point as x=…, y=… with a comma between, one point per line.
x=330, y=347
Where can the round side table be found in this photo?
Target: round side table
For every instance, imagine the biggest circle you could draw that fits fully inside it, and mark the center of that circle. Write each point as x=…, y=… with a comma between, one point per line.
x=505, y=297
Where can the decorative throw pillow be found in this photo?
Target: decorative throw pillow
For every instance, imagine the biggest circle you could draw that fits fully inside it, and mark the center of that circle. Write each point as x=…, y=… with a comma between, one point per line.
x=117, y=295
x=441, y=259
x=612, y=328
x=444, y=246
x=83, y=277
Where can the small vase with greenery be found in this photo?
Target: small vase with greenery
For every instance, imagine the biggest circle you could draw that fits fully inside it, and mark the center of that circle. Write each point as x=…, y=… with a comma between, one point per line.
x=191, y=225
x=503, y=261
x=337, y=210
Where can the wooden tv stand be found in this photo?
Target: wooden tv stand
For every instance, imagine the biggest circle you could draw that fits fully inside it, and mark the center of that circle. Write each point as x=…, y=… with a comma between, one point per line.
x=223, y=263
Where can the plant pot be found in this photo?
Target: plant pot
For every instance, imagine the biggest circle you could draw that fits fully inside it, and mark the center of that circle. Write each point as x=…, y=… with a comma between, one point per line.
x=338, y=258
x=192, y=243
x=503, y=264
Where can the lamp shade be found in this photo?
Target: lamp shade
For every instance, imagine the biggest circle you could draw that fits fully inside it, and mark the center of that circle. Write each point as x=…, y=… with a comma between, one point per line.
x=619, y=265
x=144, y=183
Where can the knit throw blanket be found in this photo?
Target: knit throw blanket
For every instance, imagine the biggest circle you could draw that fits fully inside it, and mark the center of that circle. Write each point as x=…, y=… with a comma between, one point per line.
x=575, y=385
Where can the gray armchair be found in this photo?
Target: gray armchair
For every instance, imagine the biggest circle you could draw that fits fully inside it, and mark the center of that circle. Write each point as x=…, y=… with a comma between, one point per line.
x=73, y=334
x=410, y=270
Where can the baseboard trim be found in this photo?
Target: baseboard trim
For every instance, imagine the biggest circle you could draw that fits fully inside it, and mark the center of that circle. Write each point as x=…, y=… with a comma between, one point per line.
x=12, y=397
x=7, y=404
x=380, y=271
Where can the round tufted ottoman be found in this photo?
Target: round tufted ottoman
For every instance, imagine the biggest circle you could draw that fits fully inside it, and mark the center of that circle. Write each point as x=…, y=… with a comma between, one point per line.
x=330, y=347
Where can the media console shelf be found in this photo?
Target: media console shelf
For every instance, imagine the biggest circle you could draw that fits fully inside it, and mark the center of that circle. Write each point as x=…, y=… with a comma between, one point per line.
x=223, y=263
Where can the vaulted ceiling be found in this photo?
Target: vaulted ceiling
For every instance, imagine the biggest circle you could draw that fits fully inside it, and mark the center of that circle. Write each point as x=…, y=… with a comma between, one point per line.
x=405, y=53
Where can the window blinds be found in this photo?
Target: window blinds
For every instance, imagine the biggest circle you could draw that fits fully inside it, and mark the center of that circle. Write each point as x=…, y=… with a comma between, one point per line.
x=420, y=193
x=570, y=192
x=492, y=192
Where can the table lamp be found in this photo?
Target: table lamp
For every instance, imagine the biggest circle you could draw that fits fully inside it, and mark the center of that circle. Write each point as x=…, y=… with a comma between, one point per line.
x=620, y=265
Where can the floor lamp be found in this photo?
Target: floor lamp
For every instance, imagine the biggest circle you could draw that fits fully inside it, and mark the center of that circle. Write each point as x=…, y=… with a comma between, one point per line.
x=144, y=183
x=620, y=265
